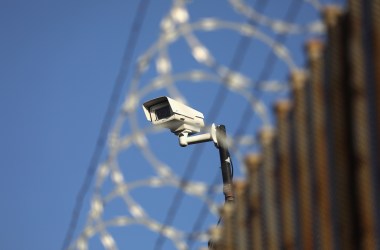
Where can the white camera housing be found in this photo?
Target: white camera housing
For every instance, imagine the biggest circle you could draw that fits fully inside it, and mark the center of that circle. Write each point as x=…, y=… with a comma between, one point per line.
x=168, y=113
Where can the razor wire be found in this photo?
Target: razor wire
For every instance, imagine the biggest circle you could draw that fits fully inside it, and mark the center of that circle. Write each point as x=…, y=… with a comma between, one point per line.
x=174, y=26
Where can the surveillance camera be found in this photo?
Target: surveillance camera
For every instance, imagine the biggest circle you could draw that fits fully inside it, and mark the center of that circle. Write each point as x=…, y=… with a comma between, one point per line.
x=168, y=113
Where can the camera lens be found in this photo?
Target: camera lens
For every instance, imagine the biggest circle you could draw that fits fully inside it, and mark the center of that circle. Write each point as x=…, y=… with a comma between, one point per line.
x=163, y=112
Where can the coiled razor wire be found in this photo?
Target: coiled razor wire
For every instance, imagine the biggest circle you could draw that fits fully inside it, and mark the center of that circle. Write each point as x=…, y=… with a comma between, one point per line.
x=174, y=26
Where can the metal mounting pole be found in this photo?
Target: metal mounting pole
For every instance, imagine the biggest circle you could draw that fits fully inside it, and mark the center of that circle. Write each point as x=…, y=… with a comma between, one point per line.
x=225, y=163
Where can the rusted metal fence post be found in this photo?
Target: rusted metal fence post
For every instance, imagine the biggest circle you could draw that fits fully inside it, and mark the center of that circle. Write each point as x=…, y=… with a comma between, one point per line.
x=227, y=241
x=270, y=192
x=338, y=116
x=240, y=222
x=285, y=177
x=302, y=156
x=374, y=6
x=364, y=173
x=375, y=31
x=253, y=164
x=320, y=163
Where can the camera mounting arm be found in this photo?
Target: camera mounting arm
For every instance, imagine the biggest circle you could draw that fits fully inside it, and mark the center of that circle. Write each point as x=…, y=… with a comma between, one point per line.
x=185, y=140
x=217, y=134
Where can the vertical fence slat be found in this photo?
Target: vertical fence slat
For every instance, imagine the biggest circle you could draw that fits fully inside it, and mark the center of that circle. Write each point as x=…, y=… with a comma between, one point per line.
x=286, y=192
x=338, y=115
x=315, y=50
x=241, y=216
x=269, y=199
x=253, y=163
x=228, y=235
x=374, y=12
x=375, y=30
x=302, y=159
x=365, y=192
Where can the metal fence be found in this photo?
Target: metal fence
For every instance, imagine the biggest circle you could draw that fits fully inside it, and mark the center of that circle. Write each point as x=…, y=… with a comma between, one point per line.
x=315, y=184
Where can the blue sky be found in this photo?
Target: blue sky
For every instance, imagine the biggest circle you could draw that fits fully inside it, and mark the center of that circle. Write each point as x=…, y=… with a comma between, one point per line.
x=59, y=62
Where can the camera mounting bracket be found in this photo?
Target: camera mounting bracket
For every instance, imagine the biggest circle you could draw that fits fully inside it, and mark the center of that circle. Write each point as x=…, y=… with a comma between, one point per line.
x=185, y=139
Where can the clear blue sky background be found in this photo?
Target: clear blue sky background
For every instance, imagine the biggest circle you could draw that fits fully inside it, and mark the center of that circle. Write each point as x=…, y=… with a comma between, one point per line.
x=58, y=64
